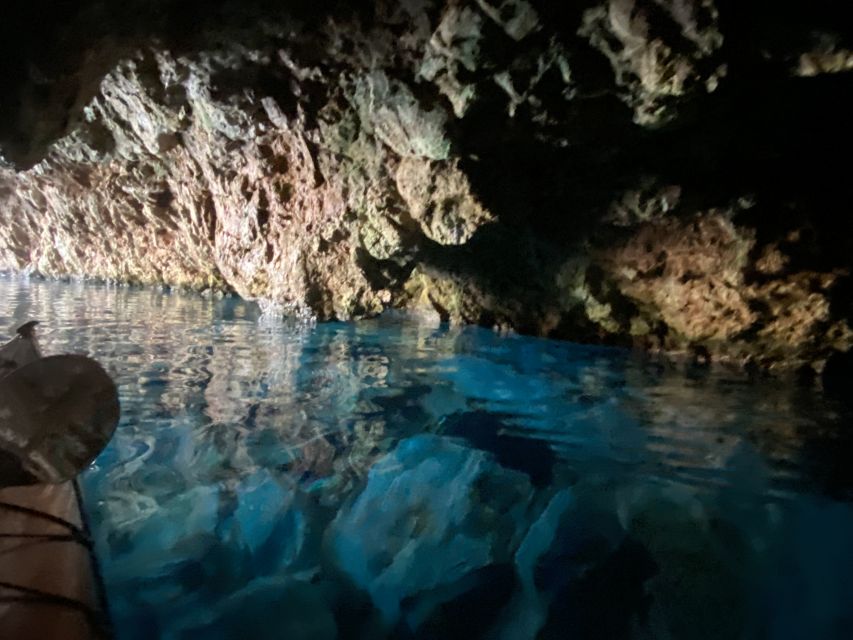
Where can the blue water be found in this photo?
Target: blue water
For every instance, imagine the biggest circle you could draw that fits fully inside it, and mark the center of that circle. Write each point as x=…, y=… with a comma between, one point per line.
x=394, y=480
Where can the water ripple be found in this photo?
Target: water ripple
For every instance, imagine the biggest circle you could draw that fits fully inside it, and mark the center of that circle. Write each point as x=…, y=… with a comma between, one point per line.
x=246, y=442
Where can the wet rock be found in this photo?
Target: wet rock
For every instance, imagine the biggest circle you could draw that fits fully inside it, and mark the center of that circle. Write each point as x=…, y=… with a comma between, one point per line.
x=577, y=563
x=608, y=601
x=270, y=524
x=472, y=614
x=433, y=513
x=170, y=561
x=584, y=536
x=699, y=586
x=166, y=532
x=527, y=612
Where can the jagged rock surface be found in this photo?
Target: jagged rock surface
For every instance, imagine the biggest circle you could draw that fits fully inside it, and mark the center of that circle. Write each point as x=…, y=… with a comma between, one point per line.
x=617, y=170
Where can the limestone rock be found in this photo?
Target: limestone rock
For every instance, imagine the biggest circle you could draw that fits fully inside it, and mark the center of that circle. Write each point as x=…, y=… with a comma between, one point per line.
x=651, y=69
x=439, y=198
x=566, y=170
x=663, y=261
x=453, y=50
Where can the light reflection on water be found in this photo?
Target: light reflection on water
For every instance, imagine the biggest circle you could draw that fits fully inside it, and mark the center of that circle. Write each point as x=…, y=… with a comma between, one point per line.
x=257, y=485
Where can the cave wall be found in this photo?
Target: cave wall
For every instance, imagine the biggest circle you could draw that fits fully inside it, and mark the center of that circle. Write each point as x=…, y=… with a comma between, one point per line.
x=660, y=173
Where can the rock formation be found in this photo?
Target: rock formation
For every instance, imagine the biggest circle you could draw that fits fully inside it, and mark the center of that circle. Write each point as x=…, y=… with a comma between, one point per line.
x=652, y=172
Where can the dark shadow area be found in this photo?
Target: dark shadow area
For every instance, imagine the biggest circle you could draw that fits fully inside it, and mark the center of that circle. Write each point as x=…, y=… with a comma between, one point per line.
x=47, y=73
x=765, y=134
x=486, y=431
x=609, y=600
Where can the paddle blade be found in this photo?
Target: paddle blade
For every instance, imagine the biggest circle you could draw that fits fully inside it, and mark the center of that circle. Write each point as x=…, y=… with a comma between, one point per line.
x=17, y=353
x=56, y=415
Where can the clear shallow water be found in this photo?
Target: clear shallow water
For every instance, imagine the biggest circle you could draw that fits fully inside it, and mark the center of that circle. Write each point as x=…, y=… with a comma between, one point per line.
x=387, y=480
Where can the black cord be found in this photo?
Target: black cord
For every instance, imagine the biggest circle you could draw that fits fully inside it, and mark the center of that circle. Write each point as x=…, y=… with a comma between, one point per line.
x=43, y=597
x=100, y=619
x=45, y=537
x=80, y=535
x=100, y=587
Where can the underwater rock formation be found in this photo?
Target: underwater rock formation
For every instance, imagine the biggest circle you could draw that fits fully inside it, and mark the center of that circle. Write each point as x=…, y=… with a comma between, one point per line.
x=614, y=171
x=433, y=516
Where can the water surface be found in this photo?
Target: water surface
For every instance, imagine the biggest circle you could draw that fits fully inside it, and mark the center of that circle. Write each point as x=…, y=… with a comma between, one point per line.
x=394, y=480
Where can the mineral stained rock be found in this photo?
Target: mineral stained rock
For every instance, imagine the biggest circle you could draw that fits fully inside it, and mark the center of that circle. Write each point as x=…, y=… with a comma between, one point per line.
x=646, y=172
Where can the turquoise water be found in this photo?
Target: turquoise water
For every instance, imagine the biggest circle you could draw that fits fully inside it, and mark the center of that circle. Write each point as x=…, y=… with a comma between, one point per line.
x=393, y=480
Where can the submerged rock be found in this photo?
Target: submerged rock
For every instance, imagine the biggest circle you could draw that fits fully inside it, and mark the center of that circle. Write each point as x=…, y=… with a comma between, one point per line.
x=433, y=515
x=472, y=613
x=701, y=563
x=270, y=524
x=302, y=613
x=607, y=601
x=164, y=533
x=810, y=573
x=485, y=431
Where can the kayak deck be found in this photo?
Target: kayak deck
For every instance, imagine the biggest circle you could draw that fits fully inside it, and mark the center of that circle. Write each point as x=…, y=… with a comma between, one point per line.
x=48, y=581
